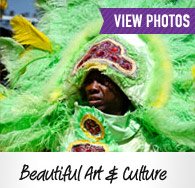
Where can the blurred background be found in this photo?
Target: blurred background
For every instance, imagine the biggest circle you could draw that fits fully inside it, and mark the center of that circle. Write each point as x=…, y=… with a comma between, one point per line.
x=9, y=8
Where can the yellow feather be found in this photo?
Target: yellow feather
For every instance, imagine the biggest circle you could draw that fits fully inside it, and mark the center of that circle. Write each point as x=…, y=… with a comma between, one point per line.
x=26, y=34
x=3, y=4
x=193, y=72
x=1, y=96
x=55, y=95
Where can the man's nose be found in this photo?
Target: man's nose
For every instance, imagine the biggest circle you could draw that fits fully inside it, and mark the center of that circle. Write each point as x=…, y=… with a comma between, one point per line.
x=93, y=87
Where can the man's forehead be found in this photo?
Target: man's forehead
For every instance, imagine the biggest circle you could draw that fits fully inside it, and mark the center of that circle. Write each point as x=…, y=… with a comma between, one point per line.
x=96, y=75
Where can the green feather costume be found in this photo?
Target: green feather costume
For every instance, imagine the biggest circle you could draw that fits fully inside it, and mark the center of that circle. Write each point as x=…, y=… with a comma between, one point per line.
x=43, y=110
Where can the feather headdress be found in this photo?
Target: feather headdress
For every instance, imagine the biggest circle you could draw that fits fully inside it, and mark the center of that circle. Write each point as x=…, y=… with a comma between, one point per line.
x=36, y=113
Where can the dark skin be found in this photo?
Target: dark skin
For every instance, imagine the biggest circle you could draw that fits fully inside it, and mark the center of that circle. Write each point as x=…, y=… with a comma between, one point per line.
x=102, y=93
x=3, y=72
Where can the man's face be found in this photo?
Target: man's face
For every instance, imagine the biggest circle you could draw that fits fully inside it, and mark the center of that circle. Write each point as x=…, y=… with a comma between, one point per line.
x=102, y=93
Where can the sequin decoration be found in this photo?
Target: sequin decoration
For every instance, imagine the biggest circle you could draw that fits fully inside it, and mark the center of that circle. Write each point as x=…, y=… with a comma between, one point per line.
x=87, y=148
x=112, y=53
x=92, y=127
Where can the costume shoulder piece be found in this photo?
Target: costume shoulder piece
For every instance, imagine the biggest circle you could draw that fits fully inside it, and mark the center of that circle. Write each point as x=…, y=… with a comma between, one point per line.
x=48, y=64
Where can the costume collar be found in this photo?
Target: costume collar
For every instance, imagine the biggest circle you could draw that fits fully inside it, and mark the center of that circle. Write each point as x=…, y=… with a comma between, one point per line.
x=122, y=128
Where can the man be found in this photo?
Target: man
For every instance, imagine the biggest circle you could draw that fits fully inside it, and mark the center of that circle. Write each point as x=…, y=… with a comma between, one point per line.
x=102, y=120
x=102, y=93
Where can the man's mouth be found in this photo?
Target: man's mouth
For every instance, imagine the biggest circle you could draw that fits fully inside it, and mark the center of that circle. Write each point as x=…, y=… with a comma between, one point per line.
x=95, y=101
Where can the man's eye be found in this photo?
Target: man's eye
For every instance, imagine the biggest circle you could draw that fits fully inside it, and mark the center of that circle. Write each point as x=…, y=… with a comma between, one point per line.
x=106, y=83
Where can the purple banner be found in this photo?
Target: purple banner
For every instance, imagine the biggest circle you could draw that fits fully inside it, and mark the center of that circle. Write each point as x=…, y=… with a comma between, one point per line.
x=148, y=20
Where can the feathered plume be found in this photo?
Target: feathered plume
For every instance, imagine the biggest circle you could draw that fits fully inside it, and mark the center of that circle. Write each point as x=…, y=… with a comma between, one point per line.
x=26, y=33
x=3, y=4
